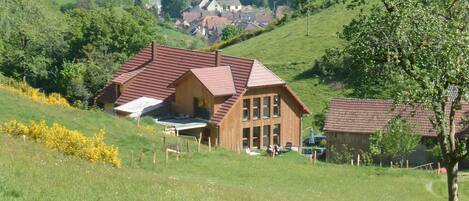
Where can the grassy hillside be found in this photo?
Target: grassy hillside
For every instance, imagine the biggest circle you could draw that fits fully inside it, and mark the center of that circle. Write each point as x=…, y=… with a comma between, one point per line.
x=30, y=172
x=289, y=52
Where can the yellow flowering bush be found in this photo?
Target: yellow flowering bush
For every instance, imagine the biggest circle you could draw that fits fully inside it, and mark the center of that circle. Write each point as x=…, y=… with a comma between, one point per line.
x=24, y=89
x=66, y=141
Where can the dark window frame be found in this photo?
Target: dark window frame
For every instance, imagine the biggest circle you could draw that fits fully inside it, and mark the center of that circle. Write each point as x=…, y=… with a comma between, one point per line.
x=256, y=109
x=276, y=106
x=266, y=107
x=246, y=109
x=246, y=138
x=276, y=133
x=256, y=139
x=266, y=143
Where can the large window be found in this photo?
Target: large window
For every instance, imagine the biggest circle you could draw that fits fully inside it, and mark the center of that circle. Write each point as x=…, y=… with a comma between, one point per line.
x=255, y=108
x=276, y=106
x=256, y=137
x=266, y=107
x=246, y=133
x=276, y=134
x=246, y=109
x=266, y=136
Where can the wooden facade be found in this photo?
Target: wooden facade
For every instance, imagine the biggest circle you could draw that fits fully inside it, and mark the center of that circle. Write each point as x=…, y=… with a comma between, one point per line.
x=337, y=142
x=231, y=129
x=229, y=133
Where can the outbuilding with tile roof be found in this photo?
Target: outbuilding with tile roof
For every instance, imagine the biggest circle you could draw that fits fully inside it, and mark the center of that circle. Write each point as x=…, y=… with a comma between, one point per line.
x=350, y=122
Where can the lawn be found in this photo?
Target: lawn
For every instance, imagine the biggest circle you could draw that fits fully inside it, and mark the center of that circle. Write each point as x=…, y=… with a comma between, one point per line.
x=30, y=172
x=290, y=53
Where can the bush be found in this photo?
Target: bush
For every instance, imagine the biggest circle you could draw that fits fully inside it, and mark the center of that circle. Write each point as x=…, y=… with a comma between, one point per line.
x=24, y=89
x=341, y=157
x=66, y=141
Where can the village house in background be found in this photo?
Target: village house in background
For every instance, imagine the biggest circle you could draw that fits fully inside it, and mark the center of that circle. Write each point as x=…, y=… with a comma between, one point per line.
x=350, y=123
x=208, y=18
x=235, y=102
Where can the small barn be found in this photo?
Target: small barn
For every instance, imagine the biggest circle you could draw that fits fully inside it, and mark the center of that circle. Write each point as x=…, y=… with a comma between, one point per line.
x=350, y=122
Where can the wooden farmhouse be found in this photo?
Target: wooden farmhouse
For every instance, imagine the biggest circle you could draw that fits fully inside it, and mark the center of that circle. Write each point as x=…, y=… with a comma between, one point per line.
x=236, y=102
x=350, y=122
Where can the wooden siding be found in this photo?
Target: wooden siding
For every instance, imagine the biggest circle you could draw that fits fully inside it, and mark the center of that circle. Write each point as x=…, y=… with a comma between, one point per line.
x=186, y=91
x=356, y=143
x=290, y=118
x=191, y=88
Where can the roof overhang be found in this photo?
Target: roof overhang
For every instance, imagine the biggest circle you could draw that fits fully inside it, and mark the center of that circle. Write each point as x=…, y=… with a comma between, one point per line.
x=185, y=123
x=140, y=106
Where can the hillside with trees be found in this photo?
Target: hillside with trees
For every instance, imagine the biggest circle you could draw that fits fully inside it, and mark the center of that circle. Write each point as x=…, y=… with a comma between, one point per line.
x=75, y=52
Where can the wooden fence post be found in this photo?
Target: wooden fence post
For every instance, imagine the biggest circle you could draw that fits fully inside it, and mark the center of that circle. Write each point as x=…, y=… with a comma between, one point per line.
x=407, y=163
x=391, y=164
x=209, y=145
x=177, y=152
x=351, y=162
x=187, y=146
x=164, y=143
x=200, y=141
x=166, y=155
x=314, y=156
x=358, y=160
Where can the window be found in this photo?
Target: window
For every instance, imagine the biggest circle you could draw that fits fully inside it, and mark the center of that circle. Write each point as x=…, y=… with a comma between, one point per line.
x=256, y=134
x=276, y=134
x=255, y=108
x=266, y=107
x=200, y=107
x=276, y=106
x=246, y=133
x=266, y=136
x=246, y=109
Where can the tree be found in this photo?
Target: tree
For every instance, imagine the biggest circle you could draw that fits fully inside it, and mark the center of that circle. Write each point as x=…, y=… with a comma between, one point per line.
x=424, y=44
x=31, y=40
x=173, y=8
x=398, y=140
x=229, y=32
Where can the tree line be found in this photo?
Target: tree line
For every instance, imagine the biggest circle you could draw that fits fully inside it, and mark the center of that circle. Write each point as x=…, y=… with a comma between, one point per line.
x=74, y=52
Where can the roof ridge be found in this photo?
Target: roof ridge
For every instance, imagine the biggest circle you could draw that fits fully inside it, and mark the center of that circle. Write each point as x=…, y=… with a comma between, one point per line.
x=360, y=99
x=204, y=52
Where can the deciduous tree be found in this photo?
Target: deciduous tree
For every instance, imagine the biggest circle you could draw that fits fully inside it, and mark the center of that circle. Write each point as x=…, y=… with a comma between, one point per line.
x=424, y=44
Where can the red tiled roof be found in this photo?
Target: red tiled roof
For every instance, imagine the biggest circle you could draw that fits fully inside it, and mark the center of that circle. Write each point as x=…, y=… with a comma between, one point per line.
x=217, y=80
x=365, y=116
x=211, y=22
x=125, y=77
x=171, y=63
x=261, y=76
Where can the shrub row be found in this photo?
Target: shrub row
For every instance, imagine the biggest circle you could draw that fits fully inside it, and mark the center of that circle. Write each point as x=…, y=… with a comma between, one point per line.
x=24, y=89
x=66, y=141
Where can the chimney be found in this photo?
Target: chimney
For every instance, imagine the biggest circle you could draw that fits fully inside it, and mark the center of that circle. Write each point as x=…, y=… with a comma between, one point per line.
x=153, y=50
x=217, y=57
